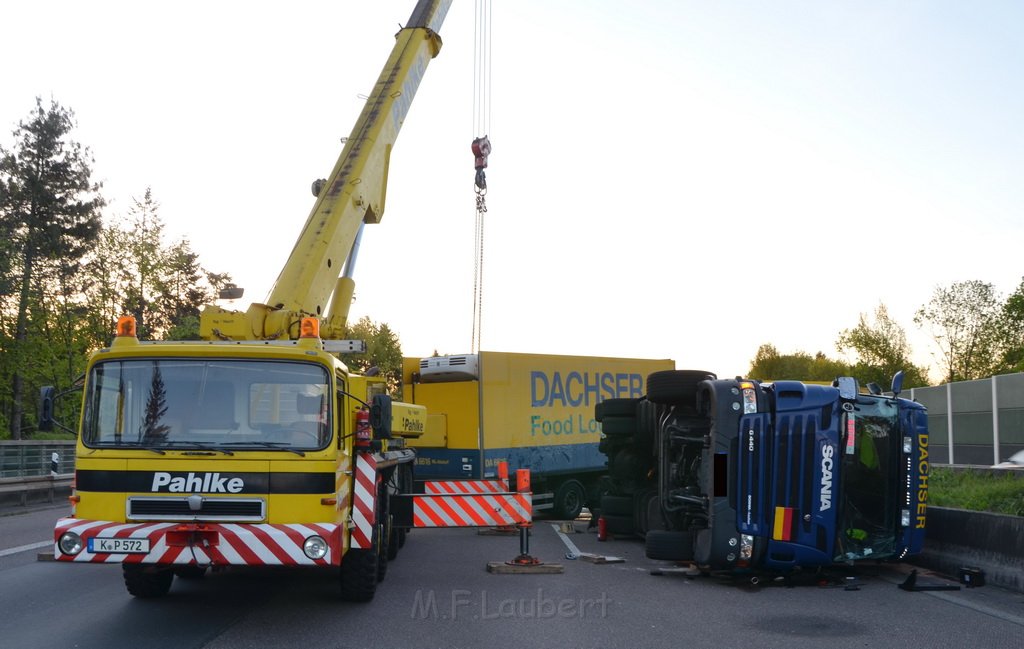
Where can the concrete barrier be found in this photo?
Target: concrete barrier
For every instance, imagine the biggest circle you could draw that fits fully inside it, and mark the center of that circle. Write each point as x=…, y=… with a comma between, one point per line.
x=32, y=490
x=958, y=538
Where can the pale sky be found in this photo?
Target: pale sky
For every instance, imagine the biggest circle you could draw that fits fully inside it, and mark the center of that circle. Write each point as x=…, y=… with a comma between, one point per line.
x=670, y=179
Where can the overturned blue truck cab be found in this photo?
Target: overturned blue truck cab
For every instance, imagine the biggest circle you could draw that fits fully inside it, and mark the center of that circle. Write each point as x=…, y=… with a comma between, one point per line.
x=737, y=475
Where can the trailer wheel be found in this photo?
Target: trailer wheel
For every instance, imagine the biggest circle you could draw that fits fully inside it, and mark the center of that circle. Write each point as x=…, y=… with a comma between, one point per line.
x=147, y=581
x=359, y=573
x=615, y=408
x=669, y=545
x=569, y=499
x=675, y=387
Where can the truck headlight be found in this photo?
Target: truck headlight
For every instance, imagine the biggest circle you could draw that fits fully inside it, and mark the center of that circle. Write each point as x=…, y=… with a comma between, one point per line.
x=905, y=517
x=70, y=543
x=908, y=444
x=746, y=547
x=315, y=547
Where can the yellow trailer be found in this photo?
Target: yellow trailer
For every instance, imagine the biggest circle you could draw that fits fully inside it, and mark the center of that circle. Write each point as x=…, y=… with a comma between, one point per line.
x=534, y=411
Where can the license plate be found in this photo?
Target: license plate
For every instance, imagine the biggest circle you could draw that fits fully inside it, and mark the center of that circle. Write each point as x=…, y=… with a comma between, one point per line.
x=118, y=546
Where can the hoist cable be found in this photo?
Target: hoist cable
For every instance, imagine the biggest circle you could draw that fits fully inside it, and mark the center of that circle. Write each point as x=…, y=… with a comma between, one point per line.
x=481, y=128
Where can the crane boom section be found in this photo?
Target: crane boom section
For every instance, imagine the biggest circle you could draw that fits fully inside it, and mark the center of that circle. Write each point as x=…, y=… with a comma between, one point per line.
x=353, y=194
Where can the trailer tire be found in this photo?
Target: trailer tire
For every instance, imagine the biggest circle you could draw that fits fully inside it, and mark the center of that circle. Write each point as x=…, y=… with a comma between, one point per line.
x=147, y=581
x=617, y=426
x=615, y=408
x=569, y=499
x=669, y=545
x=675, y=387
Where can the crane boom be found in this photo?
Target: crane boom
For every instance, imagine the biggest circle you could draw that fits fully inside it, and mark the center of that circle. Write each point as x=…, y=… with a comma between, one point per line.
x=352, y=195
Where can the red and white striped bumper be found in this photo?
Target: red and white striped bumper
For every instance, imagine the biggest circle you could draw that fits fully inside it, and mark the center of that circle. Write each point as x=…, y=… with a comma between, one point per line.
x=217, y=544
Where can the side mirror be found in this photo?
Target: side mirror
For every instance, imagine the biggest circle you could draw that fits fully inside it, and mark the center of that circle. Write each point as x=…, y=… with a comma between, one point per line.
x=897, y=383
x=380, y=416
x=47, y=393
x=848, y=388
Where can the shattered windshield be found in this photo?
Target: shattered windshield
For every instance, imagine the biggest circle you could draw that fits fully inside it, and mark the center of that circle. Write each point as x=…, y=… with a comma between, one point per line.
x=870, y=455
x=207, y=404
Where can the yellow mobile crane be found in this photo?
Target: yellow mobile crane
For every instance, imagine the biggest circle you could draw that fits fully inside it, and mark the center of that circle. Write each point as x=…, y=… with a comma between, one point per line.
x=256, y=445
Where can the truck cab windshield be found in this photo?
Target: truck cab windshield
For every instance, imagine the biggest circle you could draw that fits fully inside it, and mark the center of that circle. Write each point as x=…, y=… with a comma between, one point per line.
x=868, y=510
x=177, y=404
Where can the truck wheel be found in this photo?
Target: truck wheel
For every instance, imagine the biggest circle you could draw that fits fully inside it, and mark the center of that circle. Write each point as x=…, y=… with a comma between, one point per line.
x=358, y=574
x=385, y=532
x=641, y=509
x=405, y=483
x=569, y=499
x=147, y=581
x=646, y=427
x=615, y=408
x=394, y=542
x=382, y=551
x=615, y=425
x=627, y=465
x=669, y=546
x=675, y=387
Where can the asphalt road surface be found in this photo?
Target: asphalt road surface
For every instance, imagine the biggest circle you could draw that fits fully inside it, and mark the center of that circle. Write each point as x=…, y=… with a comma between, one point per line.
x=438, y=593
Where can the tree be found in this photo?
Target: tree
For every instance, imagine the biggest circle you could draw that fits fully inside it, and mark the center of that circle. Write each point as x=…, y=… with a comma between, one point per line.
x=49, y=211
x=133, y=271
x=383, y=352
x=964, y=322
x=145, y=265
x=770, y=365
x=882, y=350
x=1011, y=333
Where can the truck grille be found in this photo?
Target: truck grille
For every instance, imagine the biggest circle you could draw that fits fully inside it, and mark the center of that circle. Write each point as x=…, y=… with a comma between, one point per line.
x=206, y=509
x=794, y=471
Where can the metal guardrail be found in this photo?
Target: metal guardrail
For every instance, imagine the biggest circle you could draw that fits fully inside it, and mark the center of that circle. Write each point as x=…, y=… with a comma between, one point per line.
x=29, y=458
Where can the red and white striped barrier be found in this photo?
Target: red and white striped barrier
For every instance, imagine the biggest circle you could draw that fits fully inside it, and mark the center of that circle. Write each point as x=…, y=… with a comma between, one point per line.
x=467, y=510
x=219, y=544
x=465, y=487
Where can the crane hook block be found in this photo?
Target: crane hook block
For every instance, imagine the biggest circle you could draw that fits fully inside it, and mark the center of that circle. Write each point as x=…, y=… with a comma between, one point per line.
x=481, y=149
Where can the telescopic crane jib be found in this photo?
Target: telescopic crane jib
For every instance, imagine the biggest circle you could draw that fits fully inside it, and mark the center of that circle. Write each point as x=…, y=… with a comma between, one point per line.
x=353, y=195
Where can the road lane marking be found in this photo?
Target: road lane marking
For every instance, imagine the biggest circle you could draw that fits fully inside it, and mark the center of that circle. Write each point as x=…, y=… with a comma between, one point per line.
x=26, y=548
x=574, y=552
